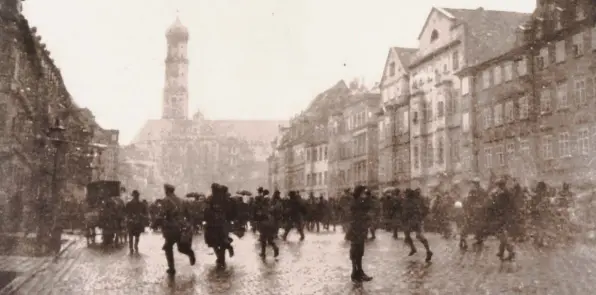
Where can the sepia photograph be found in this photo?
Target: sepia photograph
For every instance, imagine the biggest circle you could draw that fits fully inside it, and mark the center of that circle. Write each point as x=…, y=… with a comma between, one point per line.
x=297, y=147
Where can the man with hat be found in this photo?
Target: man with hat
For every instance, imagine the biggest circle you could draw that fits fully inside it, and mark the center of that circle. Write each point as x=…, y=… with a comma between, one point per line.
x=176, y=227
x=136, y=214
x=358, y=231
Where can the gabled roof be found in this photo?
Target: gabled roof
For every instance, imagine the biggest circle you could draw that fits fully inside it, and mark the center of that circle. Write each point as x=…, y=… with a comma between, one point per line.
x=404, y=55
x=441, y=11
x=489, y=33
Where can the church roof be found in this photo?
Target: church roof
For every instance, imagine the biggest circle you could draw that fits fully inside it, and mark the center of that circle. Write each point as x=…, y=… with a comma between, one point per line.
x=177, y=28
x=253, y=131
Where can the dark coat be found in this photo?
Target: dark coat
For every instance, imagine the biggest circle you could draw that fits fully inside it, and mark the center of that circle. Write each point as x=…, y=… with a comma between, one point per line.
x=219, y=213
x=359, y=220
x=136, y=215
x=414, y=210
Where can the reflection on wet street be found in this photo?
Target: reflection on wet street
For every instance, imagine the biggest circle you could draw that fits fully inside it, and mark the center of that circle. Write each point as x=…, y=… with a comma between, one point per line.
x=319, y=265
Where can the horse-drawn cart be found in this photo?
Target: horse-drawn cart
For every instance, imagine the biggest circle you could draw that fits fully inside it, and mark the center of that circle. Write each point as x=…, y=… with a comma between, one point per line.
x=104, y=210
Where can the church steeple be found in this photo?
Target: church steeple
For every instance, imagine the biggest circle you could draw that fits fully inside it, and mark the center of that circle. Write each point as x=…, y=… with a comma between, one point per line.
x=175, y=98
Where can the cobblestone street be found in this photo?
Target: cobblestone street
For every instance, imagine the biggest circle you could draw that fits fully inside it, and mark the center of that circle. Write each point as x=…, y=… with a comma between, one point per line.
x=319, y=265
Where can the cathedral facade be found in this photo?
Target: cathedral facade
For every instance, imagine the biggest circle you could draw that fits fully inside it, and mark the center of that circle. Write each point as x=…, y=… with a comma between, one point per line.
x=193, y=152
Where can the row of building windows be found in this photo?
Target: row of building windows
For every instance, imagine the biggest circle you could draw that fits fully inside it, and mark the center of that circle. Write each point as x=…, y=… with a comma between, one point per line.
x=432, y=75
x=581, y=90
x=426, y=155
x=357, y=120
x=313, y=179
x=316, y=154
x=558, y=53
x=567, y=144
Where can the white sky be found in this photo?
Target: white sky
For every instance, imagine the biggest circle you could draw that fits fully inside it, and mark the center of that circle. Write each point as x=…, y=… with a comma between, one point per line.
x=257, y=59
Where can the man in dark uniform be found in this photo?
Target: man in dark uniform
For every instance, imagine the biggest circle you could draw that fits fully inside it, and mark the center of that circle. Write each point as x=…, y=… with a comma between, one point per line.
x=267, y=215
x=374, y=213
x=175, y=222
x=295, y=213
x=358, y=231
x=136, y=214
x=415, y=209
x=218, y=215
x=500, y=216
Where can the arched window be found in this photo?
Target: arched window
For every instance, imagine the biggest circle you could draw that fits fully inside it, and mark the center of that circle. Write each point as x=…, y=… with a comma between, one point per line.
x=434, y=36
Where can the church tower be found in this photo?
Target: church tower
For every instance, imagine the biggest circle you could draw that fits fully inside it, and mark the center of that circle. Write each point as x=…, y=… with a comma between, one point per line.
x=175, y=96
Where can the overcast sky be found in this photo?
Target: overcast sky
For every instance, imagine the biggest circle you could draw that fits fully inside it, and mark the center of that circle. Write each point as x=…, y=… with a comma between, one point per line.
x=257, y=59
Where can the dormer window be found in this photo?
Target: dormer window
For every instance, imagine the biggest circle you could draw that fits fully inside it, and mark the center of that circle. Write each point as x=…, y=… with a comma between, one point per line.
x=434, y=36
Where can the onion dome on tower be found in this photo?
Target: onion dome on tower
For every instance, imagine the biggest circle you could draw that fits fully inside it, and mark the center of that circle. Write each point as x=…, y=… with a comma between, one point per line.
x=177, y=31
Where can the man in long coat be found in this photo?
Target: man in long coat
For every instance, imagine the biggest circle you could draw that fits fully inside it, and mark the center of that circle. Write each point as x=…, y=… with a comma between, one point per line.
x=415, y=209
x=358, y=231
x=136, y=215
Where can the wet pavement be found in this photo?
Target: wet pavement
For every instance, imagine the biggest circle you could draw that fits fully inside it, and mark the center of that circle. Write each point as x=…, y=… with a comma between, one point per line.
x=319, y=265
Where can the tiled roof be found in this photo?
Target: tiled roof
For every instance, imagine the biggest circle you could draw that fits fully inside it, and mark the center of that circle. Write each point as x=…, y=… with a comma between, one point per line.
x=490, y=33
x=405, y=54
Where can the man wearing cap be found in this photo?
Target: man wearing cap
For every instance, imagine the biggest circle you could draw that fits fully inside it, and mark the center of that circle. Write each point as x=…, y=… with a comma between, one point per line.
x=358, y=231
x=135, y=217
x=501, y=211
x=175, y=221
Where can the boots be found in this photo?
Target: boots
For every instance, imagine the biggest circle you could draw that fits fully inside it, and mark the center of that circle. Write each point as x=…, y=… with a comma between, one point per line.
x=358, y=274
x=170, y=259
x=275, y=250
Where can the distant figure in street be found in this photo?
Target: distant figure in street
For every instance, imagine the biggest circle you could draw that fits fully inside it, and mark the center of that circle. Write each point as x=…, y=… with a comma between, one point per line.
x=174, y=220
x=267, y=215
x=136, y=215
x=358, y=231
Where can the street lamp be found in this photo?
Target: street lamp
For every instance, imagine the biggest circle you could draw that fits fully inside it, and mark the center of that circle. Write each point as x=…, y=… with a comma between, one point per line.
x=56, y=135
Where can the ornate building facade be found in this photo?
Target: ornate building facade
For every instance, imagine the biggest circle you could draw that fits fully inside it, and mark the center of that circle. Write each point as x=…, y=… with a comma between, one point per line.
x=191, y=153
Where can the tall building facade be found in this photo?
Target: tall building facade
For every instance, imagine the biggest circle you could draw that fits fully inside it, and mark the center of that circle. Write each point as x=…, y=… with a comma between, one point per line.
x=535, y=101
x=394, y=122
x=191, y=153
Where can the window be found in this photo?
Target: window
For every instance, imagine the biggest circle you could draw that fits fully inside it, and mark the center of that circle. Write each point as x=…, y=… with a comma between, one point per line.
x=497, y=74
x=545, y=101
x=434, y=36
x=440, y=151
x=583, y=141
x=500, y=155
x=487, y=113
x=498, y=114
x=508, y=71
x=579, y=91
x=524, y=108
x=579, y=12
x=307, y=154
x=454, y=149
x=465, y=122
x=562, y=101
x=314, y=155
x=325, y=153
x=594, y=37
x=522, y=67
x=558, y=20
x=428, y=113
x=510, y=150
x=542, y=59
x=564, y=147
x=560, y=51
x=416, y=153
x=455, y=60
x=524, y=147
x=17, y=63
x=392, y=69
x=465, y=85
x=485, y=79
x=415, y=118
x=547, y=147
x=430, y=152
x=440, y=109
x=509, y=115
x=3, y=117
x=578, y=45
x=488, y=158
x=590, y=88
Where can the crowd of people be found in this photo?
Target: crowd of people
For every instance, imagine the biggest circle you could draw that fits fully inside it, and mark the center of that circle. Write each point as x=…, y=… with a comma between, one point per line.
x=504, y=210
